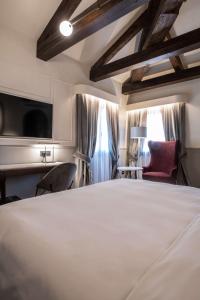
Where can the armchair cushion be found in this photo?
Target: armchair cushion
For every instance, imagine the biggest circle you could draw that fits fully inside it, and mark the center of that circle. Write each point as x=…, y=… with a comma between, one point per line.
x=156, y=174
x=159, y=176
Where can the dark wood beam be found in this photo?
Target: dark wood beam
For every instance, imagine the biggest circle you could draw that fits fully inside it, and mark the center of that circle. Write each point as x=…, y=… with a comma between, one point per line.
x=176, y=46
x=96, y=17
x=64, y=12
x=137, y=76
x=155, y=9
x=145, y=85
x=135, y=27
x=176, y=60
x=162, y=15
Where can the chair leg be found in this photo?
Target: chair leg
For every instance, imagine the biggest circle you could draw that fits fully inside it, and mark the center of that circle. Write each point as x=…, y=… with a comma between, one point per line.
x=36, y=192
x=69, y=188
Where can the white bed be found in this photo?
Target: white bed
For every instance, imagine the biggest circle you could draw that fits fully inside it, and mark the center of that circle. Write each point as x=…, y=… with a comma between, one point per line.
x=119, y=240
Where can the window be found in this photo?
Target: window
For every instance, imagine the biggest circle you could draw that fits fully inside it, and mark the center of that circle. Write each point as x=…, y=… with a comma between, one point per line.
x=155, y=130
x=101, y=162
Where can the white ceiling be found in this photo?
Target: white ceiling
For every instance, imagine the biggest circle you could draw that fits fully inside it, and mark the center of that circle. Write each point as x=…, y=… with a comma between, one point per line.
x=94, y=46
x=29, y=18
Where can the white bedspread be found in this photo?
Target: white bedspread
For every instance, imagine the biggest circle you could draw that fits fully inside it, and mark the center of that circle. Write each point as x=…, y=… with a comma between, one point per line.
x=119, y=240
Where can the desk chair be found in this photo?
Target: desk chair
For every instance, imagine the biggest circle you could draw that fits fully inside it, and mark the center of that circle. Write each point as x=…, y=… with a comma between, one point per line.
x=58, y=179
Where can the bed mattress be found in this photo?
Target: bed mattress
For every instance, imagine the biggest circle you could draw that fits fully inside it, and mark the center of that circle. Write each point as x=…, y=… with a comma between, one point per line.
x=118, y=240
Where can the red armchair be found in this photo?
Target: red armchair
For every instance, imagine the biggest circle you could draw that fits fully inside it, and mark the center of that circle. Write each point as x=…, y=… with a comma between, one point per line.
x=163, y=164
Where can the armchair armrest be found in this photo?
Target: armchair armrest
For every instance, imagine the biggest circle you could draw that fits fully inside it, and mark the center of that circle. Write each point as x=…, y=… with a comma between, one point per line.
x=147, y=169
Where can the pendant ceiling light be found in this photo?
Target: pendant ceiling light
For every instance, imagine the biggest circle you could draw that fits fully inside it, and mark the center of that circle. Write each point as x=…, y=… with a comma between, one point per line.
x=66, y=28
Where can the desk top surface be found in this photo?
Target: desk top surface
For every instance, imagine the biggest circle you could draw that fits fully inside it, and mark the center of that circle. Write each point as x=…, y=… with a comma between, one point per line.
x=28, y=166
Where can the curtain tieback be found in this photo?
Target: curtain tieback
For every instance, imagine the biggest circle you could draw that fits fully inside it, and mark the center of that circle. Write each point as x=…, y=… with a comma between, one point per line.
x=115, y=160
x=132, y=157
x=83, y=157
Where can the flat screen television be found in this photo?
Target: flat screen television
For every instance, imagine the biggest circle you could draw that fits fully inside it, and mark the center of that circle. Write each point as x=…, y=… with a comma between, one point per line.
x=20, y=117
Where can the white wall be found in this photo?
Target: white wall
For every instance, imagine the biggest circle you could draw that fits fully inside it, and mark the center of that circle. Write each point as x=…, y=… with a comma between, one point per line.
x=24, y=72
x=190, y=89
x=54, y=82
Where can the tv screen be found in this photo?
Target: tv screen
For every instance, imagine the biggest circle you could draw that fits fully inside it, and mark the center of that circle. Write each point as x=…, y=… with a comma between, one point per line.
x=20, y=117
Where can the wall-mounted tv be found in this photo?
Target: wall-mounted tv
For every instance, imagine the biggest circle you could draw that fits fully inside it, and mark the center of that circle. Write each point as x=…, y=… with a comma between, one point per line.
x=20, y=117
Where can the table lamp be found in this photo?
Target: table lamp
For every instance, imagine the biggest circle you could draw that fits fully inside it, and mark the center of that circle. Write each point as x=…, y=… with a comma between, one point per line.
x=139, y=132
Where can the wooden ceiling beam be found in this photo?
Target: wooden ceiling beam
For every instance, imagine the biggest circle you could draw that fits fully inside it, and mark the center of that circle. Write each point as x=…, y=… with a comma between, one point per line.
x=64, y=12
x=176, y=60
x=145, y=85
x=155, y=9
x=96, y=17
x=138, y=74
x=162, y=15
x=133, y=29
x=178, y=45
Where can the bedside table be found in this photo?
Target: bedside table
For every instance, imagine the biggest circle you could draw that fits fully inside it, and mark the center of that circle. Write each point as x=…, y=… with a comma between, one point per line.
x=128, y=170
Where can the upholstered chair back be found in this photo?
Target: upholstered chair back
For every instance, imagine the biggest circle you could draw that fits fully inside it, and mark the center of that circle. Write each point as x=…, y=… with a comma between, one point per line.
x=163, y=156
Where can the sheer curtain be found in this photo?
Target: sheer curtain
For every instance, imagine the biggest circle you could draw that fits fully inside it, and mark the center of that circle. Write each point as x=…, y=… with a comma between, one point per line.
x=101, y=165
x=155, y=132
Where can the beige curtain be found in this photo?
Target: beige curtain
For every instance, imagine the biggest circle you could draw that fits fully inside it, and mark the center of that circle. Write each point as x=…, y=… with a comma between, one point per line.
x=136, y=118
x=174, y=127
x=113, y=135
x=87, y=115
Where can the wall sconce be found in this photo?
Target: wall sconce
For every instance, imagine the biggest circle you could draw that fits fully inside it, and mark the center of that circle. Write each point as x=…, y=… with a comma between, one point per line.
x=46, y=152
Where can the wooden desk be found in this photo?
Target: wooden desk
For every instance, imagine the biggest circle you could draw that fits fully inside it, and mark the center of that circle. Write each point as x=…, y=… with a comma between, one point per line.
x=20, y=170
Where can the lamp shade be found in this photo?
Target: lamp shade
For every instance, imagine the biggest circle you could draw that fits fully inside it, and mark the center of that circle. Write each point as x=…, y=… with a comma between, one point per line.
x=138, y=132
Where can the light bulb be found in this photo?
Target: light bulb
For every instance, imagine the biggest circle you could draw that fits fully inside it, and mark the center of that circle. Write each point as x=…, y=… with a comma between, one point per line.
x=66, y=28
